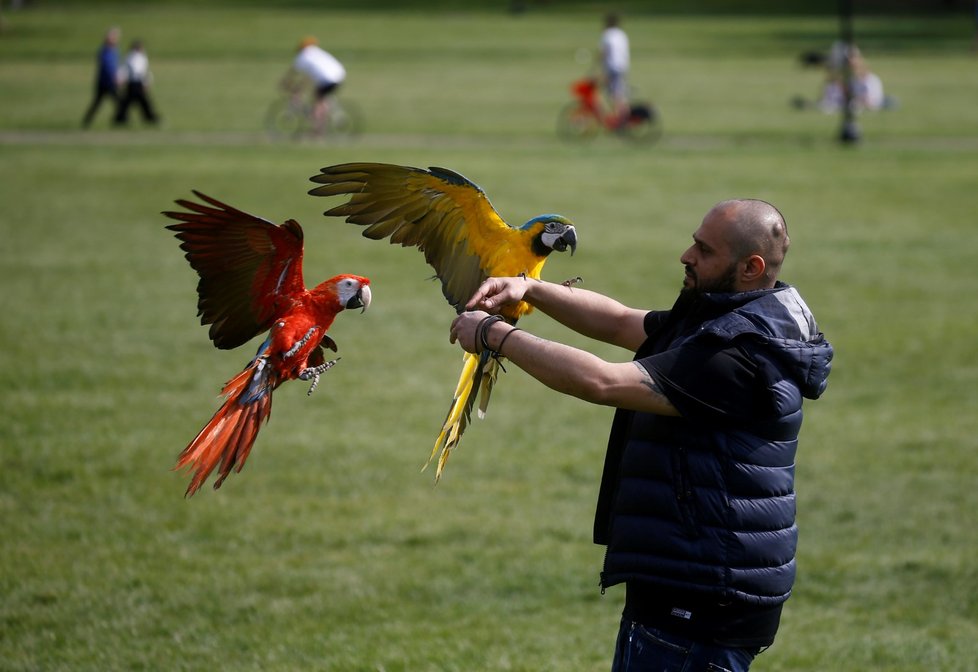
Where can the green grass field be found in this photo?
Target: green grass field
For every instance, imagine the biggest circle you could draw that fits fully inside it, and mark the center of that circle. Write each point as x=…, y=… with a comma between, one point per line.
x=331, y=550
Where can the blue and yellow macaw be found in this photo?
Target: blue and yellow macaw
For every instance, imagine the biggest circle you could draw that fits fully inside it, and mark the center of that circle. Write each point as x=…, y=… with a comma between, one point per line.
x=450, y=219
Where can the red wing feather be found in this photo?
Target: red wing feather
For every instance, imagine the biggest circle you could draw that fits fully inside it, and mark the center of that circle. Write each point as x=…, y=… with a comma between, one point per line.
x=247, y=265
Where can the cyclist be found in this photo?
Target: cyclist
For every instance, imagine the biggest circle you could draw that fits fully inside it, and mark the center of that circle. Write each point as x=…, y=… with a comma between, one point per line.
x=323, y=70
x=615, y=64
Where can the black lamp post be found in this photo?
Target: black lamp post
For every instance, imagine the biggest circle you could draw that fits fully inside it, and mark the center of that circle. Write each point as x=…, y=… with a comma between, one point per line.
x=850, y=127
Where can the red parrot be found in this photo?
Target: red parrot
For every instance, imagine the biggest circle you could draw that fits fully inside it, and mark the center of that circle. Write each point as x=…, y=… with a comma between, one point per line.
x=251, y=282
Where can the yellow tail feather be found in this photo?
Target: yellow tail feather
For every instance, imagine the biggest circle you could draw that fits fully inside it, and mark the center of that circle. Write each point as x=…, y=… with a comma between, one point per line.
x=452, y=427
x=475, y=380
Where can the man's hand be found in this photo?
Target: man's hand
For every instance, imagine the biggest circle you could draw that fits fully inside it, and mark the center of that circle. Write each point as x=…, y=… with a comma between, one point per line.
x=495, y=293
x=464, y=327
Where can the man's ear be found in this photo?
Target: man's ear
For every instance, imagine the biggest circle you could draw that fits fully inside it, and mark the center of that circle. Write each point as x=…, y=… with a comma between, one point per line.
x=754, y=268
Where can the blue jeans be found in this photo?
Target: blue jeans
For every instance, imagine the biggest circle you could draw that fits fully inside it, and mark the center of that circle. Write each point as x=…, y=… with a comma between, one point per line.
x=642, y=649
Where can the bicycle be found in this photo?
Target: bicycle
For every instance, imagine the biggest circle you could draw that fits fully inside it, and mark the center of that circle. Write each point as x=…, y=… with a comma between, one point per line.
x=583, y=118
x=290, y=116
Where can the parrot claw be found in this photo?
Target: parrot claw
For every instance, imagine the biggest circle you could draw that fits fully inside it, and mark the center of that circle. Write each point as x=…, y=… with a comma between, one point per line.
x=313, y=373
x=572, y=281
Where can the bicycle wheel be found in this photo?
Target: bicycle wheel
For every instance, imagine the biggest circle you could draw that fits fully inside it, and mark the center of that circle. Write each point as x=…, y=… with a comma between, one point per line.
x=345, y=119
x=576, y=123
x=644, y=124
x=284, y=119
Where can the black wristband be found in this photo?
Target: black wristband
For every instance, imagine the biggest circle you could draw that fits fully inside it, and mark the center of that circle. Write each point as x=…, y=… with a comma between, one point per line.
x=499, y=348
x=482, y=330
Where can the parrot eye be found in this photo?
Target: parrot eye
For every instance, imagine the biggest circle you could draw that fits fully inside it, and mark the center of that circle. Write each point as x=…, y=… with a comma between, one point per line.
x=553, y=227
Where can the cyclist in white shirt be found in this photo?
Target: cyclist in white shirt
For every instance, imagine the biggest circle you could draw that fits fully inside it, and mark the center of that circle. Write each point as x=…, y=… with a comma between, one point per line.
x=323, y=70
x=615, y=63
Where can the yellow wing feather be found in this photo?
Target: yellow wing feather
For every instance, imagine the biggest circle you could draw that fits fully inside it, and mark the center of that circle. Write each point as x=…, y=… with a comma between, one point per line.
x=446, y=216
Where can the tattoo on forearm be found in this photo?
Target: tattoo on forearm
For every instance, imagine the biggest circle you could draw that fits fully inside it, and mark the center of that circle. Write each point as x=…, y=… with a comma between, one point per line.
x=649, y=382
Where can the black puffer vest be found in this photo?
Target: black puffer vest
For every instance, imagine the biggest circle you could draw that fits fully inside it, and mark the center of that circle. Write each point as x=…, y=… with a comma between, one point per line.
x=708, y=508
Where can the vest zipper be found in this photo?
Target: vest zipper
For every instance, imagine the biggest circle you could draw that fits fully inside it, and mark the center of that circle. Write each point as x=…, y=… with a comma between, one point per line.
x=684, y=493
x=604, y=570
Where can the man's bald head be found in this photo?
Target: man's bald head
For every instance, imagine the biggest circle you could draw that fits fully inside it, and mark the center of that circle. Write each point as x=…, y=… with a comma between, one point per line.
x=756, y=227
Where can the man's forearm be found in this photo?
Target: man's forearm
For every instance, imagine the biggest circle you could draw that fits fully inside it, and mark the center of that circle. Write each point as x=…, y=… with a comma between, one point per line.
x=581, y=374
x=589, y=313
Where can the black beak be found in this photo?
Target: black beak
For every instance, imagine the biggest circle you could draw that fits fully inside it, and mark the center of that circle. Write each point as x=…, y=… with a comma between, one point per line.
x=568, y=239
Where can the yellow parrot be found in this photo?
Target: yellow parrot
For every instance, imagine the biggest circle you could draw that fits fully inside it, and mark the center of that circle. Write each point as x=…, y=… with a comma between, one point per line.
x=450, y=219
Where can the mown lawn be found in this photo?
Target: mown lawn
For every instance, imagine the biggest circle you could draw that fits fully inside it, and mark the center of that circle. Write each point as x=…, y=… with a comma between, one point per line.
x=331, y=550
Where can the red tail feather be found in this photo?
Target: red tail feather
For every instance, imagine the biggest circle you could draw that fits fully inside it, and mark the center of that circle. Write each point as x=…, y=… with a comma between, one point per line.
x=229, y=435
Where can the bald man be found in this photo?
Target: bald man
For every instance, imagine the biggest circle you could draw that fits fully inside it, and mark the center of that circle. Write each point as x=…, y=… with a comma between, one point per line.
x=696, y=505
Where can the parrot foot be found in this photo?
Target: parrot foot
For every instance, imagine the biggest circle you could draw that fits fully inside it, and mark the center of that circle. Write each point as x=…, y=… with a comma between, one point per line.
x=572, y=281
x=314, y=372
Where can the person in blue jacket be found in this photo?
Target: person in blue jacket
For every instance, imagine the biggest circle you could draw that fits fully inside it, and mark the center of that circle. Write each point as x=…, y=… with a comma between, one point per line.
x=697, y=503
x=106, y=72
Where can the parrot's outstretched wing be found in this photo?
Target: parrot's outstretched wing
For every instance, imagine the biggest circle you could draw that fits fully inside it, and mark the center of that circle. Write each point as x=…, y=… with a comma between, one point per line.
x=450, y=219
x=440, y=212
x=247, y=267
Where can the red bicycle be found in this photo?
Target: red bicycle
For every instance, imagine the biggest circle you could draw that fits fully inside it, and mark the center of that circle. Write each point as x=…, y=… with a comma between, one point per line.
x=583, y=118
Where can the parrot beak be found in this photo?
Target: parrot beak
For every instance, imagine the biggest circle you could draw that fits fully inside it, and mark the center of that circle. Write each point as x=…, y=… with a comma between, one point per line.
x=361, y=299
x=567, y=239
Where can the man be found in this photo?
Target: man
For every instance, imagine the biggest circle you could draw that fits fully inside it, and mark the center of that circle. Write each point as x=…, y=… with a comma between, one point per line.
x=696, y=504
x=105, y=74
x=615, y=61
x=323, y=70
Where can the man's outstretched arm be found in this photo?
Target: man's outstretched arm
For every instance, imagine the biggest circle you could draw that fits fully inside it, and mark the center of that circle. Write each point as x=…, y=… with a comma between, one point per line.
x=589, y=313
x=564, y=368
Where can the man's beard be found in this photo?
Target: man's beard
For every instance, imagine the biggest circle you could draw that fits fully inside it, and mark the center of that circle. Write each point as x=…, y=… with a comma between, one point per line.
x=721, y=285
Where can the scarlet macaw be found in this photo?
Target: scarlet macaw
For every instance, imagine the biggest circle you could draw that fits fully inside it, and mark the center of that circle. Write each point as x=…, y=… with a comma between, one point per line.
x=450, y=219
x=250, y=282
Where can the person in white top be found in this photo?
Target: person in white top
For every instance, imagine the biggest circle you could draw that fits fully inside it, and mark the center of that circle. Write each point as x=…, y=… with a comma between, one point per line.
x=615, y=62
x=867, y=87
x=326, y=73
x=135, y=77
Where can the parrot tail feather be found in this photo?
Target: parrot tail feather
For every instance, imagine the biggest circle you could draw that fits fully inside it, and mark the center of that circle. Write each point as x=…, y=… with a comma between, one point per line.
x=228, y=437
x=478, y=376
x=490, y=372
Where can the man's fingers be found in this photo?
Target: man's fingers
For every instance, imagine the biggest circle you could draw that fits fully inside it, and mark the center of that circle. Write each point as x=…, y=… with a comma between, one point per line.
x=481, y=296
x=453, y=333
